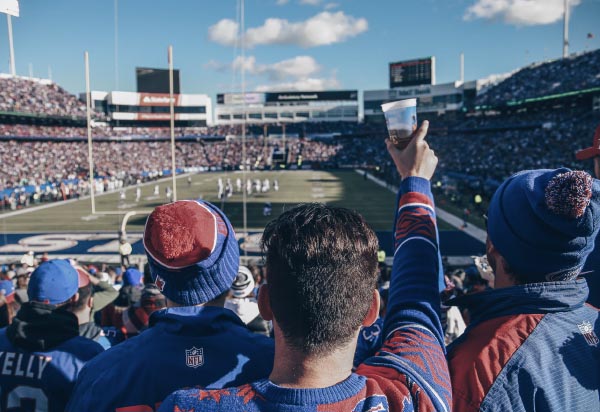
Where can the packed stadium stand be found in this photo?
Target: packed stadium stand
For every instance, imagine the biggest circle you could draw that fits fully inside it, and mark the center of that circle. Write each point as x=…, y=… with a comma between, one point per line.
x=574, y=73
x=480, y=148
x=35, y=96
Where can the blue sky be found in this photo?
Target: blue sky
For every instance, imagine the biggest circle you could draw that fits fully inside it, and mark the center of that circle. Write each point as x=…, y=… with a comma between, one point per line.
x=306, y=44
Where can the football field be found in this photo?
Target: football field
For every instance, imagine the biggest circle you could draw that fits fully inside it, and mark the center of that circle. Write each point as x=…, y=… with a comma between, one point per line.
x=338, y=188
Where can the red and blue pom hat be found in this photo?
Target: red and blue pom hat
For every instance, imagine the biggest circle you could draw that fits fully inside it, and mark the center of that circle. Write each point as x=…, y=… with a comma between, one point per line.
x=192, y=251
x=544, y=222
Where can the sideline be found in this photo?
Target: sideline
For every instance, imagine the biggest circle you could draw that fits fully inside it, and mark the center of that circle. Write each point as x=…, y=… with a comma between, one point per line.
x=448, y=217
x=65, y=202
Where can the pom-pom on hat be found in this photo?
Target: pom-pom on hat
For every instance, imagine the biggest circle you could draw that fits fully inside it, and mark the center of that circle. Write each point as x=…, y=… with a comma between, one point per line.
x=53, y=282
x=544, y=222
x=192, y=251
x=243, y=285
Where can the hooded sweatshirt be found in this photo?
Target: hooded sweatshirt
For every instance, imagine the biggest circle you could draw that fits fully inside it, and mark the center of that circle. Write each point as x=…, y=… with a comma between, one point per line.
x=40, y=327
x=42, y=356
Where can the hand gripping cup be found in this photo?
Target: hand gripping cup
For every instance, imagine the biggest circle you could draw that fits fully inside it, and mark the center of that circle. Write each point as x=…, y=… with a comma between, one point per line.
x=401, y=119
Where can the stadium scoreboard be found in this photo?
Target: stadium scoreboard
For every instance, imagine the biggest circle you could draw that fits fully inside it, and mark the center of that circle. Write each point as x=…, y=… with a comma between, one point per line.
x=155, y=80
x=412, y=72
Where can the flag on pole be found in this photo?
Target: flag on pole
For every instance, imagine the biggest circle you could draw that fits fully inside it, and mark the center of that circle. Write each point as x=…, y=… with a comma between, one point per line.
x=10, y=7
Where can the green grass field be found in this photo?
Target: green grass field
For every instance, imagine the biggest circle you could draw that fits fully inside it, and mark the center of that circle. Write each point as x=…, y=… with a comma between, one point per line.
x=337, y=188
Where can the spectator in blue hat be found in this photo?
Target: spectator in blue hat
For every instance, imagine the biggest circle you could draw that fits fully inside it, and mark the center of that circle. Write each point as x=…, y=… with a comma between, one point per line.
x=129, y=294
x=532, y=343
x=8, y=304
x=41, y=350
x=194, y=258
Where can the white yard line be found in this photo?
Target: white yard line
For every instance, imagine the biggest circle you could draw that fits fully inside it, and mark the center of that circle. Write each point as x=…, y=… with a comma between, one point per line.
x=447, y=217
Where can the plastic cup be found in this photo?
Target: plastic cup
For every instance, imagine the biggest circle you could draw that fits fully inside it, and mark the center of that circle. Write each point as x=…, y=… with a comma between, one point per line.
x=401, y=120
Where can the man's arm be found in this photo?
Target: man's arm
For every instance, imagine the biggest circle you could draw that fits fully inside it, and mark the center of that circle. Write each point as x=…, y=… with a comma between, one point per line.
x=413, y=340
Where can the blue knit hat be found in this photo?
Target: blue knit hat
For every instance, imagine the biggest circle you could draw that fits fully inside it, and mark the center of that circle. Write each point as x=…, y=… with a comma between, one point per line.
x=53, y=282
x=133, y=277
x=192, y=251
x=544, y=222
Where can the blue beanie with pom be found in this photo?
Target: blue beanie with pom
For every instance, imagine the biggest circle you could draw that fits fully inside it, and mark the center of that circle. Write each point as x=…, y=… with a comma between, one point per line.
x=544, y=222
x=192, y=251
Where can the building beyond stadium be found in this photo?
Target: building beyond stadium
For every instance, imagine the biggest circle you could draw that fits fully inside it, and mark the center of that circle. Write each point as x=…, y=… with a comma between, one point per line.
x=131, y=109
x=431, y=98
x=287, y=107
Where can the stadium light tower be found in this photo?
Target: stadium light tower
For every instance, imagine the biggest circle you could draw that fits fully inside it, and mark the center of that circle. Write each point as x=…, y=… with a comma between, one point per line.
x=462, y=67
x=88, y=111
x=566, y=30
x=116, y=44
x=243, y=79
x=10, y=8
x=172, y=123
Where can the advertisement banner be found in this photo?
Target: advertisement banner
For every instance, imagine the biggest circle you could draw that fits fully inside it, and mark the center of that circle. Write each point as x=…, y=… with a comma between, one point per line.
x=236, y=98
x=311, y=96
x=155, y=116
x=157, y=99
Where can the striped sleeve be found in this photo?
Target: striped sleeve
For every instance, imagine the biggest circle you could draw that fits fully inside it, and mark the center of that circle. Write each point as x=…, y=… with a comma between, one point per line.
x=413, y=338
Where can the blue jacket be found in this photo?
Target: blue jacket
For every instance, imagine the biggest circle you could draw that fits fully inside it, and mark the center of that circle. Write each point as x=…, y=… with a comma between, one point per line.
x=529, y=348
x=206, y=346
x=41, y=381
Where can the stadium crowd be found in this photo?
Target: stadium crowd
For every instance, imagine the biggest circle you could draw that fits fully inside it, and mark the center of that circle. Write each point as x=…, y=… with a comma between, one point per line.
x=403, y=338
x=35, y=96
x=484, y=150
x=577, y=72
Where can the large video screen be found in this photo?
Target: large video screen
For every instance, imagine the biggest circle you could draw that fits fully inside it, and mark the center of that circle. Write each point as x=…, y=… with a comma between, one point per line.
x=155, y=80
x=412, y=72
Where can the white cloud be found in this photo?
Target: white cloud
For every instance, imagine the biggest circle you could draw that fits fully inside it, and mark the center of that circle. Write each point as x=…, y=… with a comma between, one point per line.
x=225, y=32
x=298, y=73
x=519, y=12
x=299, y=67
x=282, y=2
x=322, y=29
x=311, y=2
x=330, y=6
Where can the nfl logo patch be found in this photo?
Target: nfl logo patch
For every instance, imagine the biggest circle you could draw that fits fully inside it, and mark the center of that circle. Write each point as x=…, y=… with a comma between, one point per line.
x=194, y=357
x=160, y=283
x=587, y=330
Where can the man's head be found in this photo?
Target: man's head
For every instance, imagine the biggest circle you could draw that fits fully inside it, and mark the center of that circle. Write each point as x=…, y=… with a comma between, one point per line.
x=322, y=265
x=54, y=282
x=542, y=225
x=192, y=252
x=22, y=280
x=85, y=291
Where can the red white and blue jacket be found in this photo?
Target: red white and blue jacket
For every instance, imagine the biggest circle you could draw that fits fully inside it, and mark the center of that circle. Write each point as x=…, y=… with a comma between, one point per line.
x=529, y=348
x=409, y=372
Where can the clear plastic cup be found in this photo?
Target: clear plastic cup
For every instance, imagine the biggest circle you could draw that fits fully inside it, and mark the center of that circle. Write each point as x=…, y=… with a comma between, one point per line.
x=401, y=120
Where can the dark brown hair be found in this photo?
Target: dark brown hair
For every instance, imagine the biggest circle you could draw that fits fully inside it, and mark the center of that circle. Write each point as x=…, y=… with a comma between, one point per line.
x=322, y=265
